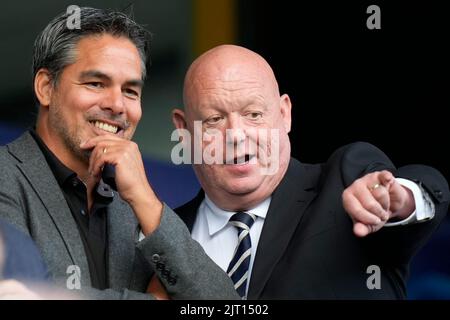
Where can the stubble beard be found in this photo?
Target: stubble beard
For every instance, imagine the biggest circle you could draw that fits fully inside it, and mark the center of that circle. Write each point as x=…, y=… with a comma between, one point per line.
x=70, y=138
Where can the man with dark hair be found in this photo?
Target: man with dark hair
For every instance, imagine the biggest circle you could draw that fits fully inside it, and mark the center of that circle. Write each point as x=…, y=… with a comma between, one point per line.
x=107, y=243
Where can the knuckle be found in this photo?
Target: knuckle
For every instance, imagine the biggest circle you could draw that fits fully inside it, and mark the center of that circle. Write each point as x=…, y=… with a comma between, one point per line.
x=345, y=194
x=373, y=174
x=372, y=206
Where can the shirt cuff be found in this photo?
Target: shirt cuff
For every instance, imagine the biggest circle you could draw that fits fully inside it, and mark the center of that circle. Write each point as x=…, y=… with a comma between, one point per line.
x=424, y=205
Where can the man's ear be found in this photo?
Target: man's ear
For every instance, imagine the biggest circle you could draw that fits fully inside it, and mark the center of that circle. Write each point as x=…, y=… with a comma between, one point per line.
x=285, y=107
x=43, y=87
x=178, y=119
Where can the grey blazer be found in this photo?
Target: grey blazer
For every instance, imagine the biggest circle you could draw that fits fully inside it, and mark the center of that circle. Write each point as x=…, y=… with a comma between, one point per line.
x=31, y=199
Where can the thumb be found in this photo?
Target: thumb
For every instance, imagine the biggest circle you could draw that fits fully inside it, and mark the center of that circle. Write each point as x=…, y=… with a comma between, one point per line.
x=361, y=230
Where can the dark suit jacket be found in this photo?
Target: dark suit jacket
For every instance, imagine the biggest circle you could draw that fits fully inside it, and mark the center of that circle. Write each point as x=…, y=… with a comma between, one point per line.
x=31, y=199
x=307, y=249
x=22, y=260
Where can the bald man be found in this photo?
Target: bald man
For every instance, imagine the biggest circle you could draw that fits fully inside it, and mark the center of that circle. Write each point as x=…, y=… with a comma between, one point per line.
x=342, y=229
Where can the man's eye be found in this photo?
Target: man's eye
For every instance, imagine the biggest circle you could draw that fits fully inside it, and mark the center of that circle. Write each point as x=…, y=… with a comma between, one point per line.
x=96, y=85
x=213, y=120
x=131, y=93
x=254, y=115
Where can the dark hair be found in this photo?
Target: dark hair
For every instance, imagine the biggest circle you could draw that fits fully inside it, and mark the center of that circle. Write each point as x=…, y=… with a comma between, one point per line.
x=55, y=46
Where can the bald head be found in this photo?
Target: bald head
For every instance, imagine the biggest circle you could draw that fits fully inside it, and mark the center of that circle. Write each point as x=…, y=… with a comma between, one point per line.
x=230, y=90
x=229, y=64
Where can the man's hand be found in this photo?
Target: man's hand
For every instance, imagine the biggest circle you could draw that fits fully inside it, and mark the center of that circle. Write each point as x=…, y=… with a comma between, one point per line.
x=374, y=199
x=156, y=288
x=131, y=180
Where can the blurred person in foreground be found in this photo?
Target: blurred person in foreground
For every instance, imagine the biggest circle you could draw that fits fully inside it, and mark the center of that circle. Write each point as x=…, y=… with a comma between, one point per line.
x=20, y=262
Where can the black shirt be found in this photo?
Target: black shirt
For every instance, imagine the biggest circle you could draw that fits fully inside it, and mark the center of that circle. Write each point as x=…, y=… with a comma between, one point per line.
x=91, y=225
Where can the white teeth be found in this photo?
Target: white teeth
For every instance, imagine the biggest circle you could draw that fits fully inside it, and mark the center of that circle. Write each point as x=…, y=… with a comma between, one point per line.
x=106, y=127
x=239, y=160
x=244, y=159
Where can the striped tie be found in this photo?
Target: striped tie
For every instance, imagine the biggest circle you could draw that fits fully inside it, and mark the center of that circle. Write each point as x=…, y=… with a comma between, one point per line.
x=239, y=265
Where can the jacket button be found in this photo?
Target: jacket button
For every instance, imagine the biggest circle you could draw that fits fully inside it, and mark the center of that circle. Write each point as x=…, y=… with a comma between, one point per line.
x=172, y=281
x=156, y=257
x=165, y=273
x=160, y=266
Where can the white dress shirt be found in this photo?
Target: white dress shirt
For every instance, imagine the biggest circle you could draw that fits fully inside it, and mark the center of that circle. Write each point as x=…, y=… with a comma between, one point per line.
x=219, y=239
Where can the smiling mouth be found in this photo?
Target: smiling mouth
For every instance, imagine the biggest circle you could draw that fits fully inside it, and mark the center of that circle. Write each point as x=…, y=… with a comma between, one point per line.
x=106, y=127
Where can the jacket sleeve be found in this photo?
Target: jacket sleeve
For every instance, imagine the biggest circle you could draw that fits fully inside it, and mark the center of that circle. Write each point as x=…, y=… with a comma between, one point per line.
x=181, y=263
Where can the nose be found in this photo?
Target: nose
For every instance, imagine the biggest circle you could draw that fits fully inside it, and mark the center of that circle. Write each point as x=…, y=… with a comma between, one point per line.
x=235, y=130
x=114, y=101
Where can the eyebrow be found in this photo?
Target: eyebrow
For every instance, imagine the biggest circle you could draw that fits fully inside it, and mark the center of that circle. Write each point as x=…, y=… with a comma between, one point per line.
x=100, y=75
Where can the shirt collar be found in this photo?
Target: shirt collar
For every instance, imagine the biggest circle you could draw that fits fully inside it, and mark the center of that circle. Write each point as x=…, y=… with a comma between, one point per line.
x=62, y=173
x=217, y=218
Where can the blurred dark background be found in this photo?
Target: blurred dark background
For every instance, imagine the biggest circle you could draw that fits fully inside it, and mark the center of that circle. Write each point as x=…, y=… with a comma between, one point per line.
x=348, y=83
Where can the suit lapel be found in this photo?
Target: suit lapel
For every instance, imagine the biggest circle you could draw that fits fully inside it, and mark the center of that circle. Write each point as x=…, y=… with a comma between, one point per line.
x=188, y=211
x=122, y=237
x=288, y=204
x=35, y=169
